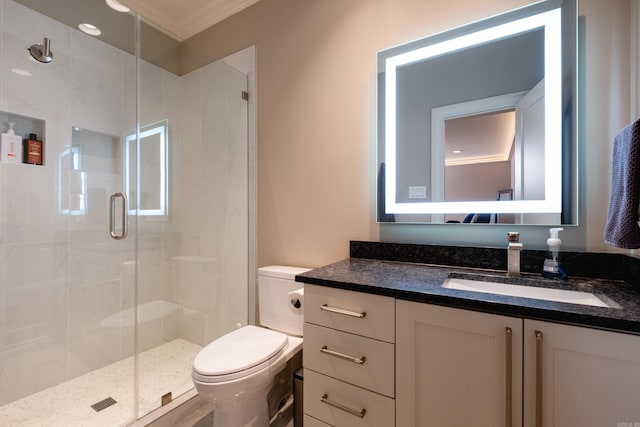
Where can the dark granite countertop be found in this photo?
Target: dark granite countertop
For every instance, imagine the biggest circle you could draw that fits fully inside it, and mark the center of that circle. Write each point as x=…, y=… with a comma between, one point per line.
x=423, y=283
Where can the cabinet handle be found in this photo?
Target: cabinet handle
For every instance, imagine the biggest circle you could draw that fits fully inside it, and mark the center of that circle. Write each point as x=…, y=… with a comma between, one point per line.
x=538, y=378
x=325, y=399
x=509, y=376
x=343, y=356
x=325, y=307
x=112, y=214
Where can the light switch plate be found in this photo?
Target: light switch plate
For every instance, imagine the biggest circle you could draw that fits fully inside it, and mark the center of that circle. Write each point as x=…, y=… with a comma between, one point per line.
x=418, y=192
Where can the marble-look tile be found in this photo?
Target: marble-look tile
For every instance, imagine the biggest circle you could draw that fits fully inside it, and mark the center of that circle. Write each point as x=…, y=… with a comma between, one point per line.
x=34, y=335
x=21, y=28
x=31, y=366
x=96, y=85
x=149, y=274
x=93, y=258
x=215, y=94
x=17, y=265
x=196, y=283
x=151, y=99
x=28, y=196
x=129, y=107
x=92, y=346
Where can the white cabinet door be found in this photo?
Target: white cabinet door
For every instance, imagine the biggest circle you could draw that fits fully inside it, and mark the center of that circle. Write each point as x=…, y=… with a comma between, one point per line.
x=590, y=378
x=452, y=370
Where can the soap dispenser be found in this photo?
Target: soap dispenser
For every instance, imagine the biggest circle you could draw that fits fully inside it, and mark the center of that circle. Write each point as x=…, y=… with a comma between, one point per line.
x=552, y=268
x=11, y=146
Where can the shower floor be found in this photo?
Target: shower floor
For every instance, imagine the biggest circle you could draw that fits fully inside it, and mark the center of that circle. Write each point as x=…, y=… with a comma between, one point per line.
x=162, y=369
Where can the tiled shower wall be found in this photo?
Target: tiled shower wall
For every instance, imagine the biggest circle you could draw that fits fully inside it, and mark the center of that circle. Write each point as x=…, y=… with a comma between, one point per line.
x=62, y=276
x=213, y=120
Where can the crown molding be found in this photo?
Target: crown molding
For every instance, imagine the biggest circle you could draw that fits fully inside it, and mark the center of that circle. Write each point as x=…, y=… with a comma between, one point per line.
x=216, y=11
x=191, y=23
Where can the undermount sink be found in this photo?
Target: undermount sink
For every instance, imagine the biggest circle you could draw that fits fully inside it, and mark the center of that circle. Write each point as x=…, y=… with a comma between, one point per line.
x=548, y=294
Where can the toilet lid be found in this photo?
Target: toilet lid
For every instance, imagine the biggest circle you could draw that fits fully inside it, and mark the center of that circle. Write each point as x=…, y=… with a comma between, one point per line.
x=239, y=351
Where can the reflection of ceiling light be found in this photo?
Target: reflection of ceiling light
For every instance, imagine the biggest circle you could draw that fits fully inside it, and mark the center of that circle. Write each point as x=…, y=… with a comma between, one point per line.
x=92, y=30
x=117, y=6
x=457, y=151
x=21, y=72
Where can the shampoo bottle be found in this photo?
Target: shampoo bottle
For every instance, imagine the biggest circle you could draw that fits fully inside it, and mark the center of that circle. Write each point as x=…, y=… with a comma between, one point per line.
x=11, y=146
x=552, y=268
x=32, y=150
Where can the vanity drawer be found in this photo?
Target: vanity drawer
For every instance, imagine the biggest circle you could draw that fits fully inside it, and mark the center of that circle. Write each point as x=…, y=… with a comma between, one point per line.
x=344, y=405
x=358, y=360
x=359, y=313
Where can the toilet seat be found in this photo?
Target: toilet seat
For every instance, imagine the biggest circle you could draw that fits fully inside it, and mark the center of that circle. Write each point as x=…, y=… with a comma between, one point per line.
x=238, y=354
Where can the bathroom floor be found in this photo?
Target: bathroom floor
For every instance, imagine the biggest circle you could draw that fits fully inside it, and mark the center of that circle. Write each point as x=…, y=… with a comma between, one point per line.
x=164, y=368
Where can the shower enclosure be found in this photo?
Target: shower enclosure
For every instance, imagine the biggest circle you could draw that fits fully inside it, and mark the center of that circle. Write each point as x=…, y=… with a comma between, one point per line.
x=128, y=249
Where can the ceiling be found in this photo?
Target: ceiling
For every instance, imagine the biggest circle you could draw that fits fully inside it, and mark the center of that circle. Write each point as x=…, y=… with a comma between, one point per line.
x=185, y=18
x=480, y=138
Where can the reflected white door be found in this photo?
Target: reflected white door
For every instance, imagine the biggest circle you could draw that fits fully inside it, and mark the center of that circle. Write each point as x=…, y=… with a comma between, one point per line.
x=529, y=183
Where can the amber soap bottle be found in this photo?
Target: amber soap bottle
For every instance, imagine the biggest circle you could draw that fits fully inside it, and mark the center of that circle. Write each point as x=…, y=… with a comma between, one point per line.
x=32, y=150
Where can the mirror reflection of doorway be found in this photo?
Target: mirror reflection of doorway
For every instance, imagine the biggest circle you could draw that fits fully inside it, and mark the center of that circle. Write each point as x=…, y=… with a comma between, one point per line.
x=479, y=160
x=478, y=156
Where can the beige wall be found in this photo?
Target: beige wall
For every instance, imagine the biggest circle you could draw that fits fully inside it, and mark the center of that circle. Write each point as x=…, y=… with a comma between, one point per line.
x=488, y=179
x=316, y=65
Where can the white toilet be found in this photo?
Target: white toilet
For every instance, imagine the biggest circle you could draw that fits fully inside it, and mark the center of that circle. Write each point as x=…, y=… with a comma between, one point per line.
x=236, y=371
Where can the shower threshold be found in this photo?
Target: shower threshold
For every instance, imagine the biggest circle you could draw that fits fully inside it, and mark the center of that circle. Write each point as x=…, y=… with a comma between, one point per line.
x=162, y=369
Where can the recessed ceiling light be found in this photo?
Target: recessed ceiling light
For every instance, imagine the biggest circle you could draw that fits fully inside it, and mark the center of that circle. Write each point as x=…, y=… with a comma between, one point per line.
x=116, y=5
x=457, y=151
x=90, y=29
x=21, y=72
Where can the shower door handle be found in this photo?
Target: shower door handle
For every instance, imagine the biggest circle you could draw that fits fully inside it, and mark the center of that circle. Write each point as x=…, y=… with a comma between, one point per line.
x=112, y=214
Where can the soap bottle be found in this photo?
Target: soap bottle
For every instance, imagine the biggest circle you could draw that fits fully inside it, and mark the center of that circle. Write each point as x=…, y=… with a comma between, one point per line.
x=552, y=268
x=11, y=146
x=33, y=150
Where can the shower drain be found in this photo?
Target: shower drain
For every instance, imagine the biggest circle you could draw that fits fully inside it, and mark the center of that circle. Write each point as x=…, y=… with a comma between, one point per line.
x=103, y=404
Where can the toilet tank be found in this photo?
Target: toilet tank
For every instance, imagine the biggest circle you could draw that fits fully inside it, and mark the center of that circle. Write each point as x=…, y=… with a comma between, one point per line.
x=275, y=310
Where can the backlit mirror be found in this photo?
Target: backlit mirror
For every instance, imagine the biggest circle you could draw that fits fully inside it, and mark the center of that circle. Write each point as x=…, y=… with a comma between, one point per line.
x=476, y=124
x=152, y=165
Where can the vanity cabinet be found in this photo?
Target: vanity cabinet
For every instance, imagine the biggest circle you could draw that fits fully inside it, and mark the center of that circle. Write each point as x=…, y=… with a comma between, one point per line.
x=452, y=369
x=589, y=377
x=457, y=367
x=349, y=358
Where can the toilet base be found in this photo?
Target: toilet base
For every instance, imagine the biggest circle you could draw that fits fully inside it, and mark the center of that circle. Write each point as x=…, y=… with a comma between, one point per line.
x=250, y=413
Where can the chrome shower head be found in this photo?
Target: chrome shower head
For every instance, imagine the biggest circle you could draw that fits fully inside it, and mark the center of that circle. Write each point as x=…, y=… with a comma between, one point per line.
x=42, y=52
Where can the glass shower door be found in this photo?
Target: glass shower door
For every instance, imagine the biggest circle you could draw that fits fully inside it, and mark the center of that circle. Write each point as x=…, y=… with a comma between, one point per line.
x=67, y=288
x=192, y=217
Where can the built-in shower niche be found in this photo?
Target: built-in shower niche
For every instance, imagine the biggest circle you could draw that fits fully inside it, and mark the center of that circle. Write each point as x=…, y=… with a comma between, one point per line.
x=23, y=127
x=90, y=169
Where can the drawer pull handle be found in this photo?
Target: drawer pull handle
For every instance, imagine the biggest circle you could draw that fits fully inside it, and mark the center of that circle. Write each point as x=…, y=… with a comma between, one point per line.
x=509, y=377
x=539, y=378
x=343, y=356
x=325, y=307
x=325, y=399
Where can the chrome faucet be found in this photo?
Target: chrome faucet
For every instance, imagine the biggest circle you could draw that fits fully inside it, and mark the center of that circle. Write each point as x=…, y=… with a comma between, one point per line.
x=513, y=253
